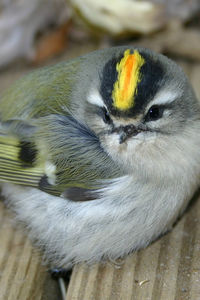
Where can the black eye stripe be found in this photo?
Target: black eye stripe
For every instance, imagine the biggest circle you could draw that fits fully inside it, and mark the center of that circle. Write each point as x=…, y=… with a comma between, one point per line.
x=154, y=113
x=104, y=114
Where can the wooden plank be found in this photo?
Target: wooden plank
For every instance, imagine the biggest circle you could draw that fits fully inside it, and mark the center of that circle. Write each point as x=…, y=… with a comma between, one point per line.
x=22, y=275
x=195, y=264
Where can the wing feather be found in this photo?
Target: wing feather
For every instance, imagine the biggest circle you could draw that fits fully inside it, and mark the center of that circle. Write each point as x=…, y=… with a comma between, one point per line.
x=13, y=169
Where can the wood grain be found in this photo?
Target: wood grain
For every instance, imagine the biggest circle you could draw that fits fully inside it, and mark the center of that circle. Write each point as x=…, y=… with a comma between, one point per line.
x=22, y=275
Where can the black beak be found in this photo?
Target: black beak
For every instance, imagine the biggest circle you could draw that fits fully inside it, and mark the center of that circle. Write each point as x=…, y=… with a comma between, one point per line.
x=126, y=132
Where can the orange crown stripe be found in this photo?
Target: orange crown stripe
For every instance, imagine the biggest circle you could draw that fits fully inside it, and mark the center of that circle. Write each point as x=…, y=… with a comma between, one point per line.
x=128, y=78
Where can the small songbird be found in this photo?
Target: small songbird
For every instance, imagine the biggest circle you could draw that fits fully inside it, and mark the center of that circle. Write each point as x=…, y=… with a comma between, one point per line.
x=100, y=155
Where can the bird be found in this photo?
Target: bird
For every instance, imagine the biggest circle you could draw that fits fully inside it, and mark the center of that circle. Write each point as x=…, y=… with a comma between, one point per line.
x=99, y=155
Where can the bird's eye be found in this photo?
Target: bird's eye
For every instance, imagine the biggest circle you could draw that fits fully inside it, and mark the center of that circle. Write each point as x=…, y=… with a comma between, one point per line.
x=154, y=113
x=106, y=116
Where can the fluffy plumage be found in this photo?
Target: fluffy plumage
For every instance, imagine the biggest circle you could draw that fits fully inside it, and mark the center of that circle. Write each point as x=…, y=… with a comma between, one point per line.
x=139, y=171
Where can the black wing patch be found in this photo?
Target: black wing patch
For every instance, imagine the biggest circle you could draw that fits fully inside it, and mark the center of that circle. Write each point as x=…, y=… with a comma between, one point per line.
x=80, y=194
x=28, y=152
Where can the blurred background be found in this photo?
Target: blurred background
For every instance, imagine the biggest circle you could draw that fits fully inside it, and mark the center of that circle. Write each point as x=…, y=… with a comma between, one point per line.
x=34, y=33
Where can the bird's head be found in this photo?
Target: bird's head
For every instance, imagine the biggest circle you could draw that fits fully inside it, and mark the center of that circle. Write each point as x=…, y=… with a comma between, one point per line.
x=141, y=106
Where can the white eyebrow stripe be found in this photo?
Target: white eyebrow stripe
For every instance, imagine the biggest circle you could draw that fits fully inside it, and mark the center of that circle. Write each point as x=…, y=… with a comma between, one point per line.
x=165, y=97
x=95, y=98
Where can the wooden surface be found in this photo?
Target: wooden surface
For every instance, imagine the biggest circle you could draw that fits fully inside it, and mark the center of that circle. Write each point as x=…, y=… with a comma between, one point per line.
x=169, y=269
x=22, y=275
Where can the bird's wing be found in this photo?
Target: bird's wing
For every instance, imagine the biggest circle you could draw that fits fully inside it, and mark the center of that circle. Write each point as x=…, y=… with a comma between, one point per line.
x=18, y=153
x=54, y=153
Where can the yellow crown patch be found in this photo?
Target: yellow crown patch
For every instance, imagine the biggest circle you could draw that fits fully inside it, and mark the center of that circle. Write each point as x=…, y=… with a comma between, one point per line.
x=127, y=81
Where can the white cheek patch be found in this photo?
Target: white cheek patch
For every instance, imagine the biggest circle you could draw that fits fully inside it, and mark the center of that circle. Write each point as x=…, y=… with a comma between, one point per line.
x=95, y=98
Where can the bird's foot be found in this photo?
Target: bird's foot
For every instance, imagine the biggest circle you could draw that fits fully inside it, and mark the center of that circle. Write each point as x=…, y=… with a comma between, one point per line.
x=57, y=273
